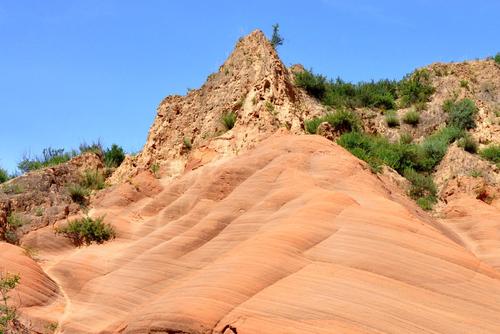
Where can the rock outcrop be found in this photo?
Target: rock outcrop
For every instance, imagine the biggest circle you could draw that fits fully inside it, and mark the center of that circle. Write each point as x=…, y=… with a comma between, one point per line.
x=253, y=83
x=478, y=80
x=41, y=197
x=461, y=173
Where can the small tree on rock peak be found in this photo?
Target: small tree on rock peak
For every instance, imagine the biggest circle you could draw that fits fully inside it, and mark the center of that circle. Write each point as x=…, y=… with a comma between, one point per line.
x=276, y=39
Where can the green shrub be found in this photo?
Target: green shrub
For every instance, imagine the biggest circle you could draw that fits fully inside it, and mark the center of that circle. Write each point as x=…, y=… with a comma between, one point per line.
x=468, y=143
x=8, y=313
x=378, y=151
x=448, y=105
x=363, y=147
x=92, y=179
x=411, y=117
x=376, y=94
x=39, y=211
x=78, y=193
x=426, y=203
x=461, y=114
x=340, y=94
x=422, y=188
x=343, y=121
x=491, y=153
x=15, y=221
x=401, y=155
x=464, y=84
x=415, y=88
x=449, y=133
x=383, y=101
x=155, y=168
x=87, y=230
x=186, y=142
x=314, y=85
x=11, y=237
x=94, y=147
x=476, y=173
x=52, y=327
x=391, y=118
x=4, y=175
x=409, y=159
x=421, y=185
x=311, y=125
x=114, y=156
x=228, y=120
x=404, y=156
x=435, y=148
x=497, y=58
x=436, y=145
x=50, y=157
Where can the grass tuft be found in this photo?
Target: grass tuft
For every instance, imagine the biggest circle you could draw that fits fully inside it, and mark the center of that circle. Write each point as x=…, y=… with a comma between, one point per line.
x=491, y=153
x=78, y=193
x=229, y=120
x=469, y=144
x=391, y=118
x=412, y=117
x=92, y=179
x=311, y=125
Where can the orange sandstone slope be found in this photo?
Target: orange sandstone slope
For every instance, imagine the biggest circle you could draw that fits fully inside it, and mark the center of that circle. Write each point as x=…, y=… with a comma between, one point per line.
x=294, y=236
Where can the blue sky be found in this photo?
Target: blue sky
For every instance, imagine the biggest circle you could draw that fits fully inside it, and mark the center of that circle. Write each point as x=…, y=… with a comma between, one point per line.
x=79, y=70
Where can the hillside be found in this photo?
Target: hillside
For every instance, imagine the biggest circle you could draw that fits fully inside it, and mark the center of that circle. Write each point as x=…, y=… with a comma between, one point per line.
x=296, y=235
x=233, y=219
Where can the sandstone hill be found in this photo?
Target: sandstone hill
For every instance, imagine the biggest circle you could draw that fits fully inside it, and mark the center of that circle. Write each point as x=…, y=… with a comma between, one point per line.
x=294, y=236
x=259, y=228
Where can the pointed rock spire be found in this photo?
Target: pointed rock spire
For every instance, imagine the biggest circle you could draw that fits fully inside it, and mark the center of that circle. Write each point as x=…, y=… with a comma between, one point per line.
x=253, y=84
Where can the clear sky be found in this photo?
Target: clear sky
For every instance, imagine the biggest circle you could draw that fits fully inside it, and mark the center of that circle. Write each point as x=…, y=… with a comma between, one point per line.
x=79, y=70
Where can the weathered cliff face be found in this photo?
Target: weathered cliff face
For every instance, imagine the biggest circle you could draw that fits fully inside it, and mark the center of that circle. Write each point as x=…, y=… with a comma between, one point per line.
x=461, y=172
x=477, y=80
x=253, y=83
x=41, y=197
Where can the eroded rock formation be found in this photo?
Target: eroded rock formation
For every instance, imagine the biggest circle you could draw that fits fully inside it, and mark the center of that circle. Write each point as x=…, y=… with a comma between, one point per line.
x=253, y=83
